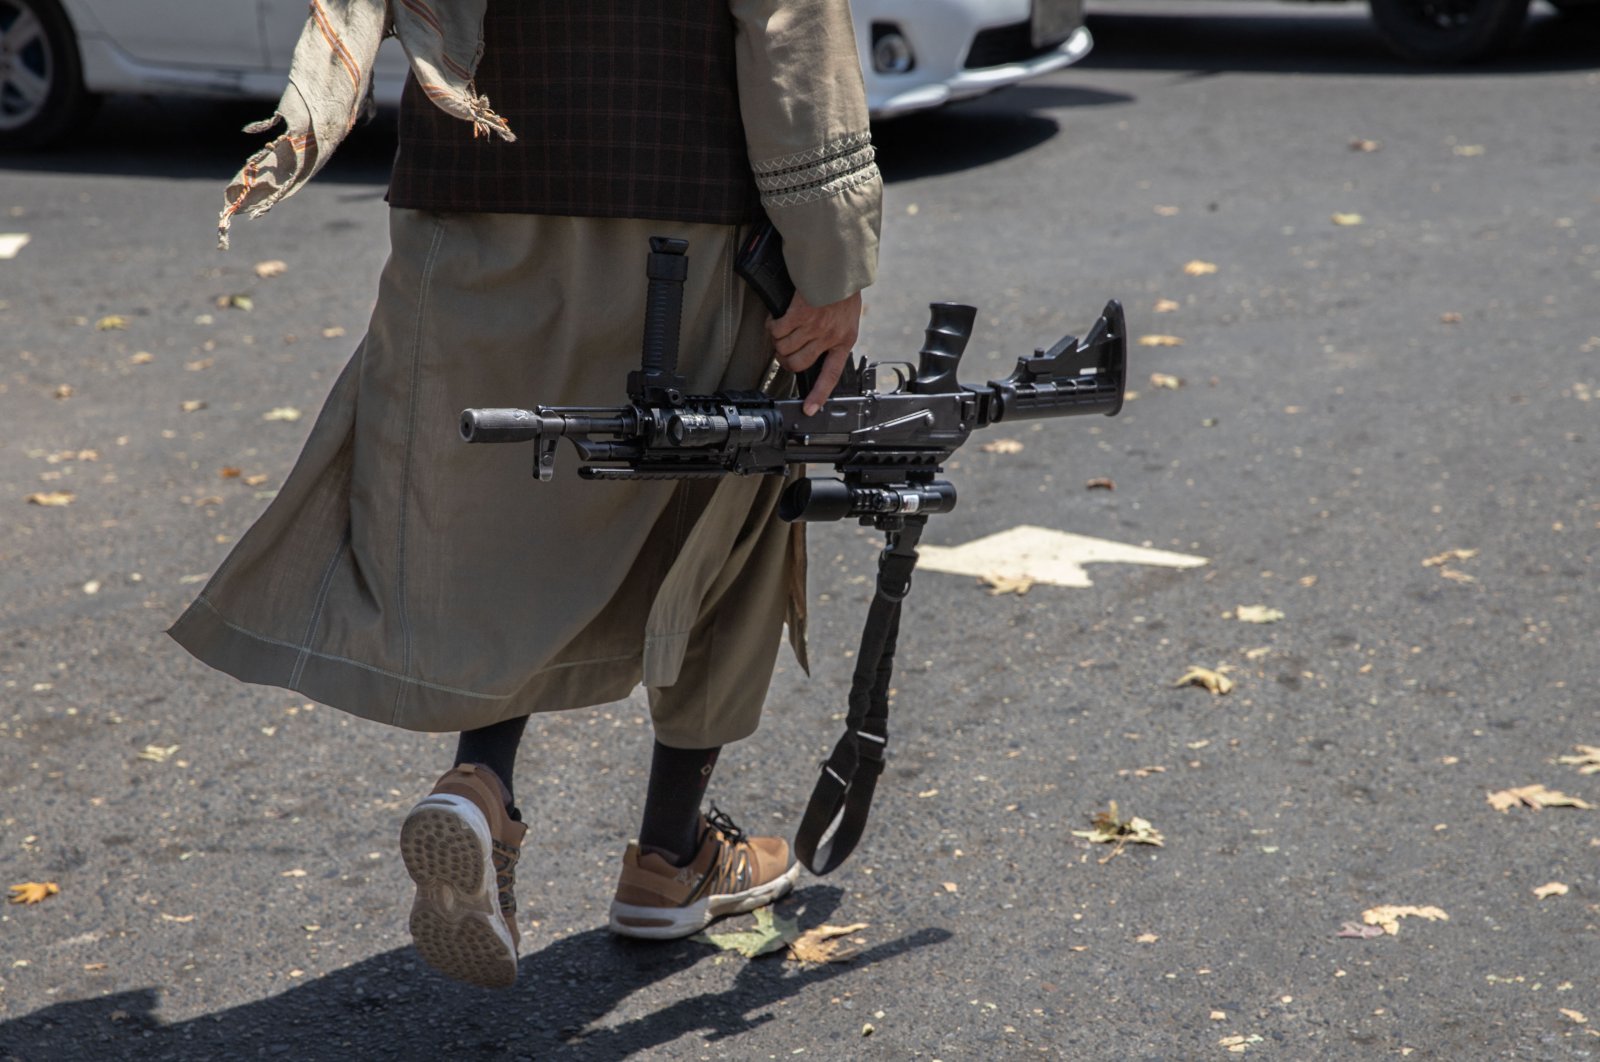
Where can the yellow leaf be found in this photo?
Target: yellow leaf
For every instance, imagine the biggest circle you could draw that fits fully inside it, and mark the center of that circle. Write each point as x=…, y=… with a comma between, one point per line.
x=1577, y=1017
x=285, y=413
x=772, y=933
x=1146, y=938
x=950, y=886
x=271, y=268
x=1533, y=796
x=1002, y=446
x=1441, y=559
x=1468, y=151
x=1007, y=584
x=1198, y=268
x=824, y=944
x=255, y=481
x=1165, y=380
x=1554, y=888
x=1160, y=341
x=53, y=498
x=1166, y=306
x=1348, y=219
x=157, y=753
x=1217, y=683
x=1587, y=761
x=33, y=891
x=64, y=391
x=236, y=302
x=113, y=322
x=193, y=405
x=1257, y=614
x=1389, y=915
x=1109, y=827
x=142, y=357
x=1167, y=211
x=333, y=332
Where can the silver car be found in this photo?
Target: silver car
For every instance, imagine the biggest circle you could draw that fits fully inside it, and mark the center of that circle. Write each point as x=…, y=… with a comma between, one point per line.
x=57, y=57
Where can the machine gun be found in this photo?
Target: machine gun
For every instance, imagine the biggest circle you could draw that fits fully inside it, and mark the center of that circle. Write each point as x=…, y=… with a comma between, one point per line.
x=886, y=444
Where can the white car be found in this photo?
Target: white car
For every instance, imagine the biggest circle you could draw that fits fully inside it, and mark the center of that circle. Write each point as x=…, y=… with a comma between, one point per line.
x=58, y=56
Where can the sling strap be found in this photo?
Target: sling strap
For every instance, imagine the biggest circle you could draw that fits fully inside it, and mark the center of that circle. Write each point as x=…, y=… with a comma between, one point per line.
x=837, y=812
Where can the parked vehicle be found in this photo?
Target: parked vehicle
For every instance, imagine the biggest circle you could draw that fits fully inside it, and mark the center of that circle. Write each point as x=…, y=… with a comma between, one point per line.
x=57, y=57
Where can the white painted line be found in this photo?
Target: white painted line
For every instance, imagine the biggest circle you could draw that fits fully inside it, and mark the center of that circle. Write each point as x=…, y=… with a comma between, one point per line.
x=1043, y=556
x=12, y=242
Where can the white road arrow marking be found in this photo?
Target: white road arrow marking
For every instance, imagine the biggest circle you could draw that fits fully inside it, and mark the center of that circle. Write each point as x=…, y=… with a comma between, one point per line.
x=12, y=242
x=1043, y=556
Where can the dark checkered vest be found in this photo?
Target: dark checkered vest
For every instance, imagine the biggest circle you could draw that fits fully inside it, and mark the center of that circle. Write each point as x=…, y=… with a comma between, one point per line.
x=621, y=108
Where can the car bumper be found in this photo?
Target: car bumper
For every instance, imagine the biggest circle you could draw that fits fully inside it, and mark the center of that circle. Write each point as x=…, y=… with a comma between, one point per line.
x=899, y=94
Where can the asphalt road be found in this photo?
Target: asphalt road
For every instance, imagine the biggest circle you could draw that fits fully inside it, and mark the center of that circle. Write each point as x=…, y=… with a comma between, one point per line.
x=1356, y=399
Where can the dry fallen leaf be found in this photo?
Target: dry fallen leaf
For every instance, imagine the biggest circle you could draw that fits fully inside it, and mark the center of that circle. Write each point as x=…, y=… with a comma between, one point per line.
x=31, y=892
x=1577, y=1017
x=229, y=472
x=1554, y=888
x=1257, y=614
x=1002, y=446
x=1468, y=150
x=1198, y=268
x=1587, y=761
x=1167, y=211
x=113, y=322
x=176, y=918
x=157, y=753
x=333, y=332
x=773, y=932
x=142, y=357
x=273, y=267
x=285, y=413
x=1109, y=827
x=950, y=886
x=1389, y=915
x=1216, y=682
x=1146, y=938
x=1007, y=584
x=1449, y=317
x=1167, y=306
x=1440, y=559
x=824, y=944
x=1533, y=796
x=193, y=405
x=1160, y=341
x=63, y=391
x=1364, y=145
x=1357, y=931
x=54, y=498
x=1165, y=380
x=1100, y=483
x=1348, y=219
x=236, y=302
x=255, y=480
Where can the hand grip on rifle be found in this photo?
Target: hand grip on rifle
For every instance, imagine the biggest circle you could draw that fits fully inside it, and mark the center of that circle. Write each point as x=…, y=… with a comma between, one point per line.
x=760, y=263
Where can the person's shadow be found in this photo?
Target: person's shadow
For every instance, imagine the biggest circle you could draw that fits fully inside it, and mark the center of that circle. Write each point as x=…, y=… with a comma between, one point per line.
x=391, y=1005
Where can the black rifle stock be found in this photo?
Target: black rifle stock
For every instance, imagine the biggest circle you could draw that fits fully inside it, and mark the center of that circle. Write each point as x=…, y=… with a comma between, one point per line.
x=887, y=440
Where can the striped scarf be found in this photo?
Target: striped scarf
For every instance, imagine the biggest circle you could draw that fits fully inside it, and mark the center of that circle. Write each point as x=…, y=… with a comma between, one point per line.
x=330, y=88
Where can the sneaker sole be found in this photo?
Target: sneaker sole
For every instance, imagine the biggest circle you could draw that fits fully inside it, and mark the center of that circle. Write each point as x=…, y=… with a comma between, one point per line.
x=456, y=922
x=670, y=923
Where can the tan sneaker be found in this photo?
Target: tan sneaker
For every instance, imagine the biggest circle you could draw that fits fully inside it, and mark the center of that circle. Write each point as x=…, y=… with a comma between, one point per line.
x=461, y=847
x=730, y=874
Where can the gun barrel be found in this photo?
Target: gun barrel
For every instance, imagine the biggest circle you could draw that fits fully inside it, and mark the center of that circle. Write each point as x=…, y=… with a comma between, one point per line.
x=499, y=425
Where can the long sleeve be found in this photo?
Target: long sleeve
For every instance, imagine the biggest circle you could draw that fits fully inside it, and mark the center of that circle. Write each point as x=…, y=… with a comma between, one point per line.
x=804, y=110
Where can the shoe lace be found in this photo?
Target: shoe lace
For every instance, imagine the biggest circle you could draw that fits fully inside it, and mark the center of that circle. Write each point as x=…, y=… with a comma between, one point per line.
x=505, y=875
x=719, y=820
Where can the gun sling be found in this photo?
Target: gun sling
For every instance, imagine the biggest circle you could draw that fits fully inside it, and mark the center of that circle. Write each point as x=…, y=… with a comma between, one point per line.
x=837, y=812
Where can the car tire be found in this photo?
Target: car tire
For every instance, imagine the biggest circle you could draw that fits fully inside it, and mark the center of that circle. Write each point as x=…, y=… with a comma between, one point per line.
x=1447, y=31
x=42, y=98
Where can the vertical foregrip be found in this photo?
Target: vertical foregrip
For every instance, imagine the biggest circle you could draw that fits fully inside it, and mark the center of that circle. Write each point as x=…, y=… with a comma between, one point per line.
x=667, y=268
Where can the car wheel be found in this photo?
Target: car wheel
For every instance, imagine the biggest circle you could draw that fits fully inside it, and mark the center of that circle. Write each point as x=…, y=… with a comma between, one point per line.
x=42, y=97
x=1447, y=31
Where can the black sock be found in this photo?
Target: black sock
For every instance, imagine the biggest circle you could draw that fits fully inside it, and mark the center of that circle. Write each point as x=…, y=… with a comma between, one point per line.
x=494, y=747
x=678, y=780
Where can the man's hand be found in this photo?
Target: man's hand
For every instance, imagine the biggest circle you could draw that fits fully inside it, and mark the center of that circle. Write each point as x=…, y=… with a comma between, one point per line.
x=808, y=333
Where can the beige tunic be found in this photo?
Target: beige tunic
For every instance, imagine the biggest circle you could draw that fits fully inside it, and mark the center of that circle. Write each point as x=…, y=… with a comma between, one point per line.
x=406, y=577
